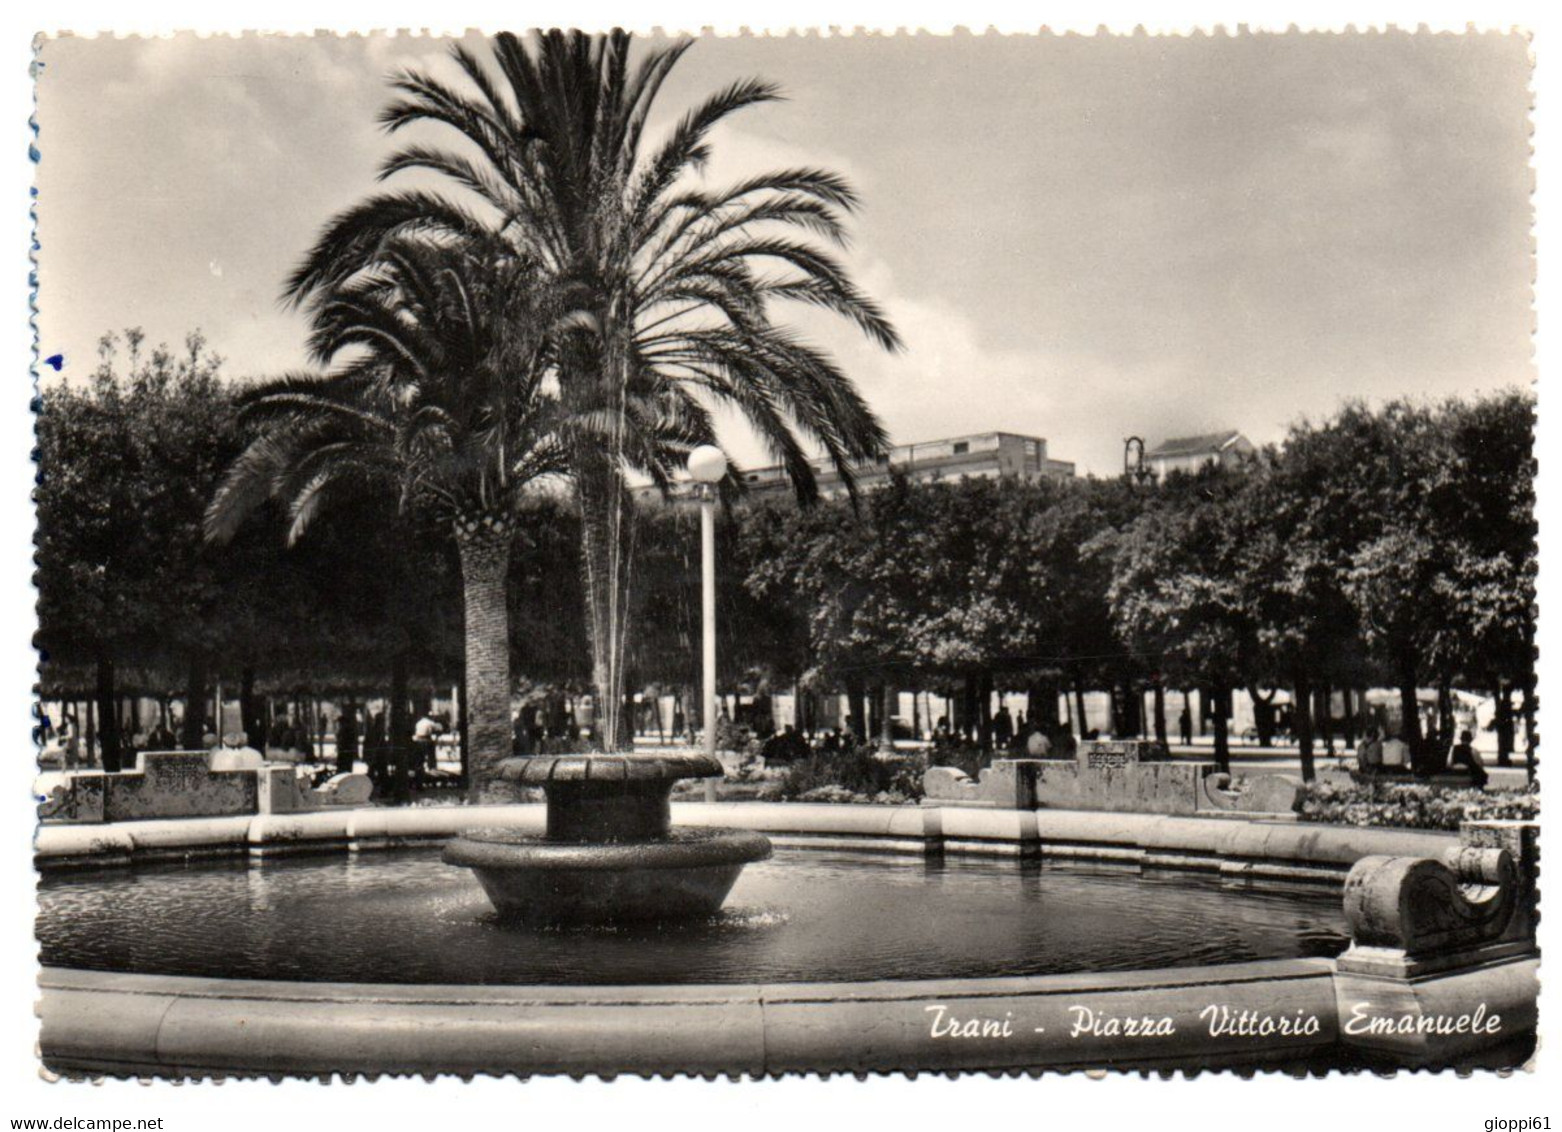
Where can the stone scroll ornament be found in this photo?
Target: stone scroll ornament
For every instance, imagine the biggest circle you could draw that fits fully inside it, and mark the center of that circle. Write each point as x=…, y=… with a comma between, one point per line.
x=1421, y=907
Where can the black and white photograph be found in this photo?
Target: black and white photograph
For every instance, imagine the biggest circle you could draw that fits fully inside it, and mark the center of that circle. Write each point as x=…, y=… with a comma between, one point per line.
x=584, y=553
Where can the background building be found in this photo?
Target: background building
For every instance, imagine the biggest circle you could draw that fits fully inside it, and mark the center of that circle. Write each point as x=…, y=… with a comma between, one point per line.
x=1190, y=453
x=985, y=455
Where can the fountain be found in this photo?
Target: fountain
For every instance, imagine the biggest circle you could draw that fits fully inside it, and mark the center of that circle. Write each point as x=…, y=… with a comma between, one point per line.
x=608, y=853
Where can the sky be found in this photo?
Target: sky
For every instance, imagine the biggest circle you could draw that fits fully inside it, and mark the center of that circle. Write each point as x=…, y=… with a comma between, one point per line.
x=1081, y=238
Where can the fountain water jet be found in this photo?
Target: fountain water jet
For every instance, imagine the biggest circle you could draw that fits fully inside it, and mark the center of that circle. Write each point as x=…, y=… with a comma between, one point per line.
x=609, y=853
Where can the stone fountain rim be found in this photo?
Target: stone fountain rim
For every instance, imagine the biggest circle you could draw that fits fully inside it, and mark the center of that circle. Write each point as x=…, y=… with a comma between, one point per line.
x=510, y=849
x=546, y=770
x=122, y=1024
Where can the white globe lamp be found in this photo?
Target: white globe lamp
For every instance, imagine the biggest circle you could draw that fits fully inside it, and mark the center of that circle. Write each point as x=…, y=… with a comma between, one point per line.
x=707, y=464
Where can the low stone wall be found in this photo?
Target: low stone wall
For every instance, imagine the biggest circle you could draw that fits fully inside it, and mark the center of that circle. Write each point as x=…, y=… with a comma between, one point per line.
x=1237, y=847
x=183, y=784
x=1114, y=777
x=165, y=784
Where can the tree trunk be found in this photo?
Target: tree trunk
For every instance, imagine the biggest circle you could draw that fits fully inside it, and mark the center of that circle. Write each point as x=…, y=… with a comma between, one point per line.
x=1504, y=724
x=1348, y=718
x=1324, y=717
x=464, y=734
x=1133, y=710
x=984, y=712
x=965, y=717
x=1445, y=711
x=1221, y=710
x=1531, y=739
x=194, y=726
x=1263, y=716
x=888, y=700
x=1302, y=722
x=1083, y=724
x=398, y=731
x=856, y=699
x=92, y=734
x=484, y=548
x=249, y=711
x=108, y=715
x=1409, y=706
x=1160, y=712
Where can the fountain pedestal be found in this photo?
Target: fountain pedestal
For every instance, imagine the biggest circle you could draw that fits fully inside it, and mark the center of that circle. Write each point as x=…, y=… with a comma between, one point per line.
x=609, y=853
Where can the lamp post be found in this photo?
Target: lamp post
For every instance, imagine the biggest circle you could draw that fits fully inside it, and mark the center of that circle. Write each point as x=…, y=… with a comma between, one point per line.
x=707, y=466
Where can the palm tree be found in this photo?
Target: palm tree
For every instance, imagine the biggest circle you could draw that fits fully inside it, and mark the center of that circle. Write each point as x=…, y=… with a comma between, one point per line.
x=439, y=399
x=674, y=285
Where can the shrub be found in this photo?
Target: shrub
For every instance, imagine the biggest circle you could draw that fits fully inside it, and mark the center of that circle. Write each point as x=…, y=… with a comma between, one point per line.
x=1414, y=805
x=855, y=774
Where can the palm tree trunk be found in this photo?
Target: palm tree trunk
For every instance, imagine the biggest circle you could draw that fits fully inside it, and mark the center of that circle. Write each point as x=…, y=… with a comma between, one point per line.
x=484, y=548
x=464, y=732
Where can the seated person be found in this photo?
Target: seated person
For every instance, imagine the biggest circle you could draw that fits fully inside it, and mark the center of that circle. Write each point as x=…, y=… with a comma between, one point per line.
x=1037, y=744
x=236, y=754
x=1465, y=755
x=1432, y=756
x=1396, y=754
x=1369, y=756
x=786, y=746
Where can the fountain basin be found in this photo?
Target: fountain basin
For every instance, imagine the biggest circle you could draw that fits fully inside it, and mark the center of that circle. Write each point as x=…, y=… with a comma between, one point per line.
x=607, y=854
x=538, y=880
x=280, y=964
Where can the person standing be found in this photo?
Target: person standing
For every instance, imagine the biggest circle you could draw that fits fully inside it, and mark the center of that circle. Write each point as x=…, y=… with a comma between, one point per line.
x=1185, y=726
x=347, y=740
x=425, y=738
x=70, y=742
x=375, y=750
x=1003, y=727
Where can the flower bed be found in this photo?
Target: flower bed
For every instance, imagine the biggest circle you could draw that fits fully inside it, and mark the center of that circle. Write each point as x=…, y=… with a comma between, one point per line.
x=856, y=774
x=1414, y=805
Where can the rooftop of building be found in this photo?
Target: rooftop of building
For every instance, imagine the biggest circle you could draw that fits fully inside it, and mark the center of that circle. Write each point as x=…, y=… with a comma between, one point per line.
x=1196, y=445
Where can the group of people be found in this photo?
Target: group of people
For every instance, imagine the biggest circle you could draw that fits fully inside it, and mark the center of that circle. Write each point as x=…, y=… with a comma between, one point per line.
x=1013, y=733
x=534, y=727
x=1379, y=754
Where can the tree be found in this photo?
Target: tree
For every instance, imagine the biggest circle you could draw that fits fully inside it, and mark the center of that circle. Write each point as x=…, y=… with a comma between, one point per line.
x=124, y=581
x=438, y=401
x=1177, y=595
x=672, y=285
